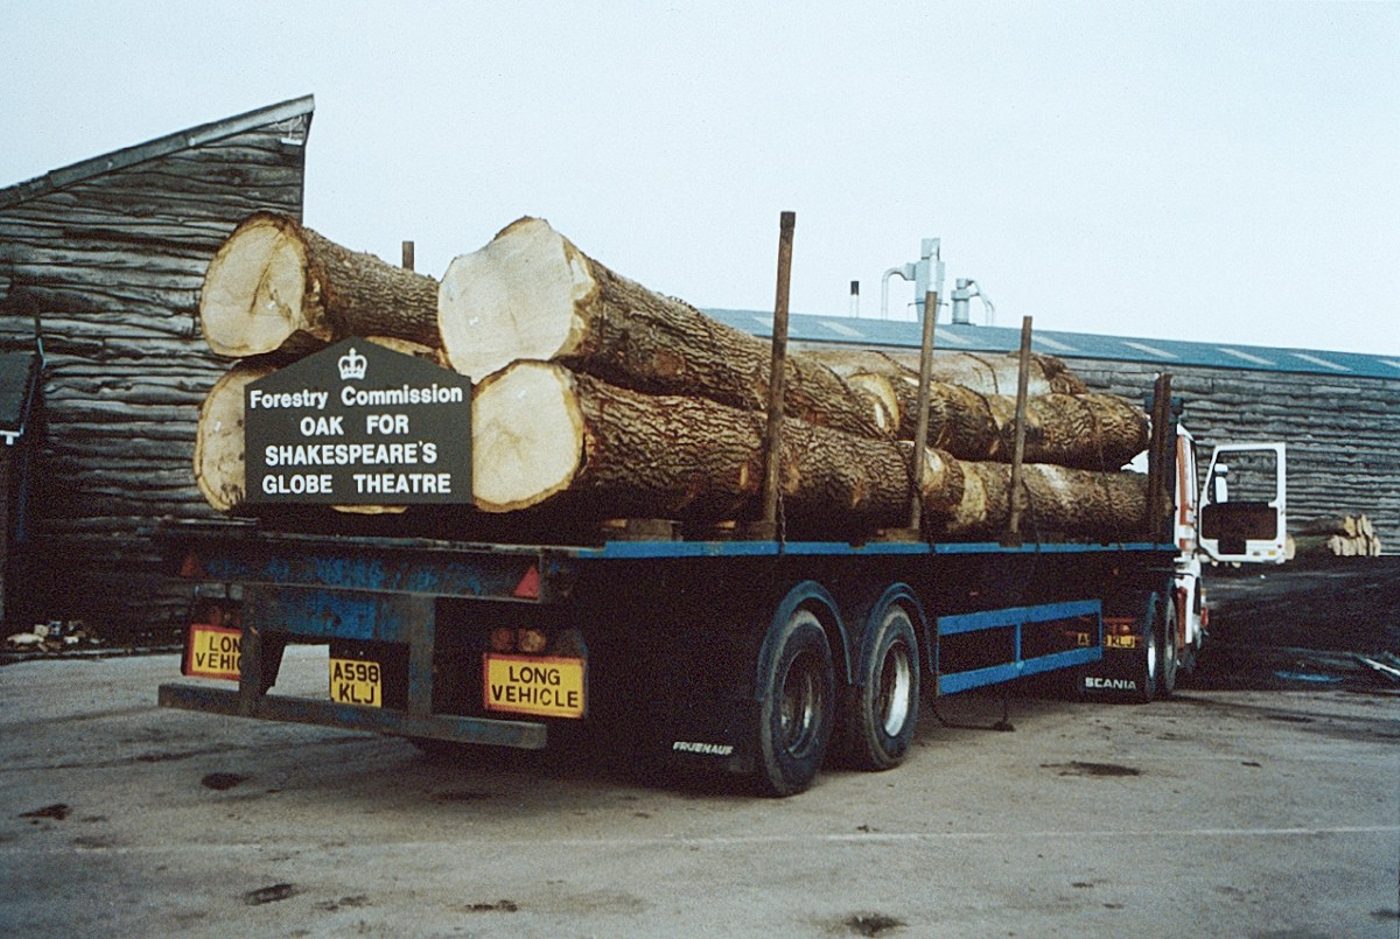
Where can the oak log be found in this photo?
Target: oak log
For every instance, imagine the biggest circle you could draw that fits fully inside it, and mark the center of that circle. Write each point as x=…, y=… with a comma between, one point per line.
x=531, y=294
x=985, y=373
x=1111, y=506
x=1088, y=431
x=541, y=432
x=277, y=285
x=218, y=443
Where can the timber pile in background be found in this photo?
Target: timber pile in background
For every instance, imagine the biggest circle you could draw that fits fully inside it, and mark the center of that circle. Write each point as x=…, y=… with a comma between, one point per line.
x=598, y=398
x=1341, y=536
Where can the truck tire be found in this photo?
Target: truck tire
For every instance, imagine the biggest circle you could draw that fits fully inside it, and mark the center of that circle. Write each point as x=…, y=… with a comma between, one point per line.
x=1148, y=656
x=798, y=709
x=1168, y=666
x=883, y=707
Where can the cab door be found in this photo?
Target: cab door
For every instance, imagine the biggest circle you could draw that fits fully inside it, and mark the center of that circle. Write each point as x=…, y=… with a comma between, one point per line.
x=1243, y=506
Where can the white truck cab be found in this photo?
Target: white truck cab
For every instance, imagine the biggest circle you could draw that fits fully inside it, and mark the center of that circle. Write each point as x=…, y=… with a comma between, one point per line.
x=1239, y=516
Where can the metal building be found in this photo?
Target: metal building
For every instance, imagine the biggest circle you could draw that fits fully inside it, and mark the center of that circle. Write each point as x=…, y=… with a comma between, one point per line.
x=110, y=254
x=1339, y=412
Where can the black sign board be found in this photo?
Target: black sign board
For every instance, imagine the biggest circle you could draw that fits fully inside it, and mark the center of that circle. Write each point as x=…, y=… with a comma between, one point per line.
x=358, y=424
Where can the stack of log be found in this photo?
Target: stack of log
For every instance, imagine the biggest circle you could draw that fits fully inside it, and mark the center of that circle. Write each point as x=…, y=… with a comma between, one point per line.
x=1341, y=536
x=599, y=398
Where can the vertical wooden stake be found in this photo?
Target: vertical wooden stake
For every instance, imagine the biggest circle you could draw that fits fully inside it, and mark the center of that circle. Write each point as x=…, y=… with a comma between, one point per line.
x=916, y=504
x=407, y=263
x=1018, y=452
x=774, y=434
x=1159, y=462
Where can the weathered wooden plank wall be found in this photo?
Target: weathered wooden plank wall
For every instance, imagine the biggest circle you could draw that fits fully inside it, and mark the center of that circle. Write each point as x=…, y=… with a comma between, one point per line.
x=113, y=263
x=1343, y=434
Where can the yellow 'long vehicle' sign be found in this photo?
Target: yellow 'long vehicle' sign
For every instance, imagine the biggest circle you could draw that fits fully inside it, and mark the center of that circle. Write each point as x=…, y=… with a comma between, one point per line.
x=549, y=687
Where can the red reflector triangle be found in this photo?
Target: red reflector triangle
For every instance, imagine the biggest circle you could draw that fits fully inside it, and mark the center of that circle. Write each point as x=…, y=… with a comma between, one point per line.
x=191, y=567
x=529, y=586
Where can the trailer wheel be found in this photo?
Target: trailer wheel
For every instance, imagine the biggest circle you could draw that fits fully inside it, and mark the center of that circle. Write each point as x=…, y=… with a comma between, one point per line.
x=797, y=712
x=1148, y=654
x=884, y=705
x=1167, y=672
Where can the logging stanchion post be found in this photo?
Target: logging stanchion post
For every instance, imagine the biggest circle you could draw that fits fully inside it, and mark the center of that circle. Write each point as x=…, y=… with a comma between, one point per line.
x=1012, y=538
x=407, y=258
x=1158, y=460
x=916, y=473
x=767, y=527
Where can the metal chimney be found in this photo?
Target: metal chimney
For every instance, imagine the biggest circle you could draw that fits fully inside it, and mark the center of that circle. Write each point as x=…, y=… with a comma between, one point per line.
x=855, y=299
x=926, y=273
x=966, y=289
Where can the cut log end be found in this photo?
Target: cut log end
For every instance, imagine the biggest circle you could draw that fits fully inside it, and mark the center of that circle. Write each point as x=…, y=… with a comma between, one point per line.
x=513, y=299
x=884, y=403
x=218, y=449
x=253, y=299
x=527, y=437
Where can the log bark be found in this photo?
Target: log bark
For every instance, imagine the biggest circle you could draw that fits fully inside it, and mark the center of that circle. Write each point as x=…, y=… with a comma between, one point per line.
x=1331, y=525
x=276, y=285
x=1088, y=431
x=960, y=420
x=543, y=434
x=531, y=294
x=1314, y=545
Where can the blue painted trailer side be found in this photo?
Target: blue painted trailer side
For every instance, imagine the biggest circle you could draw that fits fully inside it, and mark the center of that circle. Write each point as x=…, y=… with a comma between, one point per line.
x=1086, y=614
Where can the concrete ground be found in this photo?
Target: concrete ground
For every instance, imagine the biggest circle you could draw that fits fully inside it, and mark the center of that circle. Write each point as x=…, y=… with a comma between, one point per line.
x=1221, y=812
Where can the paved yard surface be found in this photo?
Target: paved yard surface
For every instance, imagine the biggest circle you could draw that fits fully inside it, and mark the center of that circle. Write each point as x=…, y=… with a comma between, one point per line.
x=1221, y=812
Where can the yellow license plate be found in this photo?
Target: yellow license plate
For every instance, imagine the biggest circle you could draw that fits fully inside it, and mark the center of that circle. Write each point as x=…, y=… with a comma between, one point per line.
x=212, y=652
x=1120, y=642
x=527, y=684
x=355, y=681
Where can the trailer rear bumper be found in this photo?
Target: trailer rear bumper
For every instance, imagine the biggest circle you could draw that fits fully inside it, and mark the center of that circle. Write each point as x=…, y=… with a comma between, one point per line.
x=526, y=735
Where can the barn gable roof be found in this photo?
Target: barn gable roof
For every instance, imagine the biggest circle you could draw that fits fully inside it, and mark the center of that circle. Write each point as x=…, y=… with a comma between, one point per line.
x=161, y=146
x=1168, y=353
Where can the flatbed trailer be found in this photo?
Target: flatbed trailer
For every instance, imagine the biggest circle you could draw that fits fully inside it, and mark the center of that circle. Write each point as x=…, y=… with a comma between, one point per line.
x=754, y=657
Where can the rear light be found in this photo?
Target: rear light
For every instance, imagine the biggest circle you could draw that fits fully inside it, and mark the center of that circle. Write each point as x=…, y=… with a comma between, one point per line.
x=1119, y=625
x=529, y=641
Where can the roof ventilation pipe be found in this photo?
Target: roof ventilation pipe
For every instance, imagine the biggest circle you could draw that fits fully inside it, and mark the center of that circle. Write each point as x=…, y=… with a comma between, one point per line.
x=855, y=299
x=926, y=273
x=966, y=289
x=906, y=272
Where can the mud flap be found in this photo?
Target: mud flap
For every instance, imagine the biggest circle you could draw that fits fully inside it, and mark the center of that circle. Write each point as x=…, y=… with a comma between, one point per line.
x=695, y=710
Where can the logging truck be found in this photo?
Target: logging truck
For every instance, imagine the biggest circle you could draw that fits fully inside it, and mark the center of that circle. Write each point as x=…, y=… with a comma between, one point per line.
x=747, y=649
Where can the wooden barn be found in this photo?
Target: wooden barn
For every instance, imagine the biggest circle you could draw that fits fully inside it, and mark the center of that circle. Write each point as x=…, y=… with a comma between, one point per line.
x=109, y=254
x=1338, y=412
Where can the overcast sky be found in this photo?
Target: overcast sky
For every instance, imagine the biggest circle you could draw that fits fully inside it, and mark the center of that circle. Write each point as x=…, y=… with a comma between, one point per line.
x=1223, y=172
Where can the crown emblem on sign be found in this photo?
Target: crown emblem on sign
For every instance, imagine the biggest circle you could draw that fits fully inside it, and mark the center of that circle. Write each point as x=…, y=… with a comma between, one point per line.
x=352, y=365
